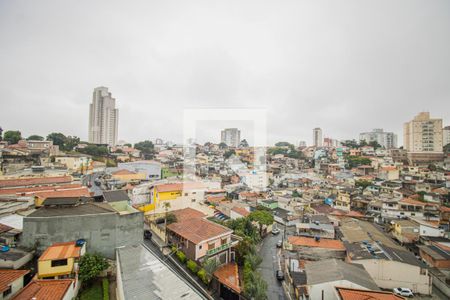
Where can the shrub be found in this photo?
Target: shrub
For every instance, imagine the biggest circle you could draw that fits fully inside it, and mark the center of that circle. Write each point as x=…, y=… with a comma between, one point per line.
x=91, y=265
x=192, y=266
x=181, y=256
x=174, y=248
x=105, y=285
x=202, y=275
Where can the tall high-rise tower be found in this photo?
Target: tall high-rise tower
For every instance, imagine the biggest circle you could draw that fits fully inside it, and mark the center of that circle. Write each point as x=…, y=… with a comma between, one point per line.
x=103, y=118
x=317, y=137
x=231, y=137
x=423, y=134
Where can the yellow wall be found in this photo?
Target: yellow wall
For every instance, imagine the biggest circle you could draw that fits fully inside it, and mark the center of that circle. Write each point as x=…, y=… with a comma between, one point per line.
x=158, y=197
x=45, y=268
x=129, y=177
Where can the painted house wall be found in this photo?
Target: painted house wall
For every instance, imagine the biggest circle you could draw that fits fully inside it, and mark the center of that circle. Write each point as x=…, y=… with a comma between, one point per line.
x=45, y=268
x=328, y=288
x=390, y=274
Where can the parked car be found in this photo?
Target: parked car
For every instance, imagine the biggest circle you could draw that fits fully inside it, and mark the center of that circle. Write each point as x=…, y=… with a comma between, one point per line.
x=405, y=292
x=275, y=231
x=280, y=275
x=279, y=244
x=147, y=234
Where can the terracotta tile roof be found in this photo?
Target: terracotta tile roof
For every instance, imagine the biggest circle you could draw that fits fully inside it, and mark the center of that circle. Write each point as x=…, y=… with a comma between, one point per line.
x=61, y=251
x=4, y=183
x=388, y=168
x=355, y=294
x=228, y=275
x=215, y=199
x=169, y=187
x=311, y=242
x=123, y=172
x=197, y=230
x=411, y=202
x=4, y=228
x=79, y=192
x=187, y=213
x=444, y=208
x=44, y=290
x=9, y=276
x=240, y=210
x=19, y=191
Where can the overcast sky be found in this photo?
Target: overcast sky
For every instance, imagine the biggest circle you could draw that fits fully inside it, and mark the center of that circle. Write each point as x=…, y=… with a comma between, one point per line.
x=344, y=66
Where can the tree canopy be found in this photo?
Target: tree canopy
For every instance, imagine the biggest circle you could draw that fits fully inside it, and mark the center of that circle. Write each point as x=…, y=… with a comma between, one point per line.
x=12, y=136
x=94, y=150
x=91, y=265
x=146, y=147
x=35, y=137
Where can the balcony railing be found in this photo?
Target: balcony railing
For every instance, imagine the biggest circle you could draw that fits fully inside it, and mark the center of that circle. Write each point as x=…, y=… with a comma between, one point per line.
x=218, y=249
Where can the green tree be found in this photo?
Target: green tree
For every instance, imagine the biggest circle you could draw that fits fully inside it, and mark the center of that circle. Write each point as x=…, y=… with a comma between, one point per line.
x=243, y=143
x=228, y=153
x=263, y=217
x=146, y=147
x=210, y=265
x=128, y=145
x=296, y=194
x=94, y=150
x=284, y=144
x=363, y=183
x=223, y=145
x=70, y=143
x=253, y=259
x=350, y=144
x=58, y=139
x=12, y=136
x=35, y=137
x=375, y=145
x=91, y=265
x=254, y=285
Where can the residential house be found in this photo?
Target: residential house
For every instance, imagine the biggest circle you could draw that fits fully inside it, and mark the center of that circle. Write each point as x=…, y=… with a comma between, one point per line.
x=388, y=263
x=344, y=293
x=60, y=260
x=436, y=255
x=323, y=276
x=60, y=289
x=11, y=281
x=199, y=238
x=178, y=195
x=317, y=248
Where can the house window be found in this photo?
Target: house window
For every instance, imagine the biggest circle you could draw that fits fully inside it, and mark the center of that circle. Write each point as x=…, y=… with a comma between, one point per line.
x=59, y=262
x=200, y=247
x=223, y=241
x=7, y=291
x=211, y=246
x=185, y=194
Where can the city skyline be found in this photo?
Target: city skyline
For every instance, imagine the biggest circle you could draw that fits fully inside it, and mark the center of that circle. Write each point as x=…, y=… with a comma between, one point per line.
x=276, y=65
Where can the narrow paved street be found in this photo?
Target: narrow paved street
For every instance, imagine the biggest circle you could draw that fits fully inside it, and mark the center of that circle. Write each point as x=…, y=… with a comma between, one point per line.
x=269, y=265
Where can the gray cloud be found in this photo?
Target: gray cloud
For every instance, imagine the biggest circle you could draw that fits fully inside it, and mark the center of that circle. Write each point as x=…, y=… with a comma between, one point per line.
x=346, y=66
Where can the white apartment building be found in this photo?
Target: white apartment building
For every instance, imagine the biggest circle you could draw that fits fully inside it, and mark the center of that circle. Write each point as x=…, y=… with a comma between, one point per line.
x=231, y=137
x=103, y=118
x=423, y=134
x=317, y=137
x=386, y=139
x=446, y=135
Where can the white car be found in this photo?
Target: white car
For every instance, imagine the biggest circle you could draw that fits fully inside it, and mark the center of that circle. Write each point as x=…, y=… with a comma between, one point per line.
x=405, y=292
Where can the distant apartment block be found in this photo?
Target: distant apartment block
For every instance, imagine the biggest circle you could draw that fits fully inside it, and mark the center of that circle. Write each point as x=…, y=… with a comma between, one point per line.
x=231, y=137
x=386, y=139
x=446, y=135
x=423, y=138
x=317, y=137
x=103, y=118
